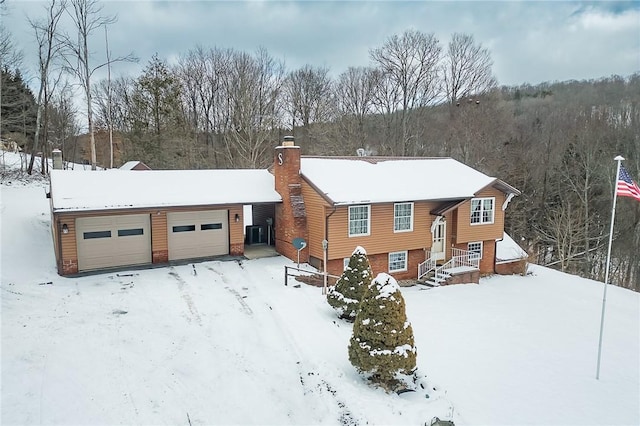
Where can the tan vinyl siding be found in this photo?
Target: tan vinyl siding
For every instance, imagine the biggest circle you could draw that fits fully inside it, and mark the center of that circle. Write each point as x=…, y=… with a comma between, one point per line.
x=68, y=240
x=159, y=231
x=382, y=238
x=317, y=209
x=467, y=232
x=236, y=232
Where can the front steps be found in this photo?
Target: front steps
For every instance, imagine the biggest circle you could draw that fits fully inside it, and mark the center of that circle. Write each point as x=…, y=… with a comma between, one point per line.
x=458, y=275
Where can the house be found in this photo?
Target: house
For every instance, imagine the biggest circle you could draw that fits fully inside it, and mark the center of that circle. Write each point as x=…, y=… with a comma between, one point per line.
x=430, y=218
x=134, y=165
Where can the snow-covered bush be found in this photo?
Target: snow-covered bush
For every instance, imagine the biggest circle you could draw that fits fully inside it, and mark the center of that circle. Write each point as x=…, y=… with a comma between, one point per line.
x=346, y=295
x=382, y=345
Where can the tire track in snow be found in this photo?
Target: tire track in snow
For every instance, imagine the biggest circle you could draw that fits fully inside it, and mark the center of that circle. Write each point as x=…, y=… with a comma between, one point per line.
x=309, y=373
x=243, y=303
x=182, y=284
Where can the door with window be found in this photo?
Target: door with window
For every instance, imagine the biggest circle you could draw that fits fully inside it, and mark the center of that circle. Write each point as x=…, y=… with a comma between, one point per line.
x=438, y=243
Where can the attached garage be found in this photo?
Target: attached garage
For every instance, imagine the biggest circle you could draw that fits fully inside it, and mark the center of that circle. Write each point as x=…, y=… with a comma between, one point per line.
x=113, y=241
x=117, y=219
x=194, y=234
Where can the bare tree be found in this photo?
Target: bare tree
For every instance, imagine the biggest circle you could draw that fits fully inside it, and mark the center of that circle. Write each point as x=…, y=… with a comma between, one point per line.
x=86, y=18
x=467, y=68
x=254, y=90
x=62, y=126
x=10, y=55
x=410, y=62
x=49, y=49
x=354, y=94
x=563, y=230
x=309, y=99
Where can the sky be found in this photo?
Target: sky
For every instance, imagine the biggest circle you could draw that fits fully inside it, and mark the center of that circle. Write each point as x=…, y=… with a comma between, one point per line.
x=530, y=41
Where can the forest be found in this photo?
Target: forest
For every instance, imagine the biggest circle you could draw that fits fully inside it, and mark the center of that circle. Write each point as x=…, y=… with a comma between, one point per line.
x=218, y=107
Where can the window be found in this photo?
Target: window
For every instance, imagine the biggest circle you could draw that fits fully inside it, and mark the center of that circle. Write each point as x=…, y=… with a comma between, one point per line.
x=184, y=228
x=403, y=217
x=359, y=219
x=345, y=263
x=130, y=232
x=96, y=234
x=482, y=210
x=398, y=261
x=208, y=226
x=475, y=250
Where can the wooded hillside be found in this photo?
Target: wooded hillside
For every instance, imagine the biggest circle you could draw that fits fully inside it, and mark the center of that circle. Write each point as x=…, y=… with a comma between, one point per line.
x=223, y=108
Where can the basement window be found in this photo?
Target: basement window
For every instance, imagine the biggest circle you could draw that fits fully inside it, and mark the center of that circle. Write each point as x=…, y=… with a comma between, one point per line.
x=184, y=228
x=475, y=250
x=398, y=261
x=96, y=234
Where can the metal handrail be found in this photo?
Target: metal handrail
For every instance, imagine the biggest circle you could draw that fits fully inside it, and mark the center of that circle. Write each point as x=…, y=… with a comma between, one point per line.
x=425, y=267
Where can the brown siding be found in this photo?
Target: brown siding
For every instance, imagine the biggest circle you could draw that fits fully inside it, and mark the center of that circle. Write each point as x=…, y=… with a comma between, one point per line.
x=465, y=232
x=317, y=209
x=159, y=238
x=382, y=238
x=159, y=231
x=236, y=231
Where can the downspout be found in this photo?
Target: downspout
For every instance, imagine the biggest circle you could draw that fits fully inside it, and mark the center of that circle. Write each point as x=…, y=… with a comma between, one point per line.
x=495, y=250
x=326, y=223
x=59, y=260
x=325, y=248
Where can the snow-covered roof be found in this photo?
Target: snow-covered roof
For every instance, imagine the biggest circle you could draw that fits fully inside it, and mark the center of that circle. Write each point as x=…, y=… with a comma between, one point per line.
x=356, y=180
x=507, y=250
x=129, y=165
x=119, y=189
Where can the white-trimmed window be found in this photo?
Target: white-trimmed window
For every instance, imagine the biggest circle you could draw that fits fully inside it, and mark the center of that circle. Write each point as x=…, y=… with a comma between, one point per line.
x=403, y=217
x=345, y=263
x=475, y=250
x=359, y=220
x=398, y=261
x=482, y=210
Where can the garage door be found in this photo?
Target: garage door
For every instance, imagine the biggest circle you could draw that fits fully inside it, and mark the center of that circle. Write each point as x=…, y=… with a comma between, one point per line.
x=198, y=234
x=111, y=241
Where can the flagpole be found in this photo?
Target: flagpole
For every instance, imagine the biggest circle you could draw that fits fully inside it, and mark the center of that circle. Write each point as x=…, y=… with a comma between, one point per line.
x=619, y=159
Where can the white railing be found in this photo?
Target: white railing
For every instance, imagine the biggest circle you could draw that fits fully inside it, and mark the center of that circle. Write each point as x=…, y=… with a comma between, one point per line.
x=464, y=258
x=425, y=267
x=459, y=258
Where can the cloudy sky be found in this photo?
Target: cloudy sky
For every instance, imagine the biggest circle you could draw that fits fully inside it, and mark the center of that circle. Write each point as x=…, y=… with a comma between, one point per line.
x=530, y=42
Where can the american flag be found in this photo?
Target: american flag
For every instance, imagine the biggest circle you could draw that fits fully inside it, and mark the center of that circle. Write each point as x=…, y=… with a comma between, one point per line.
x=627, y=187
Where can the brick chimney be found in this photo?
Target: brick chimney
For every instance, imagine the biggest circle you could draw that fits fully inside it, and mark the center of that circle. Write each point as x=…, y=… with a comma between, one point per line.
x=291, y=215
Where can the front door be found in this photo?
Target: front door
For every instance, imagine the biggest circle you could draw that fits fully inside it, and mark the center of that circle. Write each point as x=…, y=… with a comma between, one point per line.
x=437, y=246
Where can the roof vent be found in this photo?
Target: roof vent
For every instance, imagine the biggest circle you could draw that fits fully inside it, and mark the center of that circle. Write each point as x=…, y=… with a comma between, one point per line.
x=289, y=141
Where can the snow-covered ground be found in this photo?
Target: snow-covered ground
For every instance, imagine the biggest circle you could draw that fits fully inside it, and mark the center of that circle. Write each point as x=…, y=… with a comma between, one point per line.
x=228, y=343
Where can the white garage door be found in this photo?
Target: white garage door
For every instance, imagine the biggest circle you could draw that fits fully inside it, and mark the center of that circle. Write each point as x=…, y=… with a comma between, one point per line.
x=198, y=234
x=111, y=241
